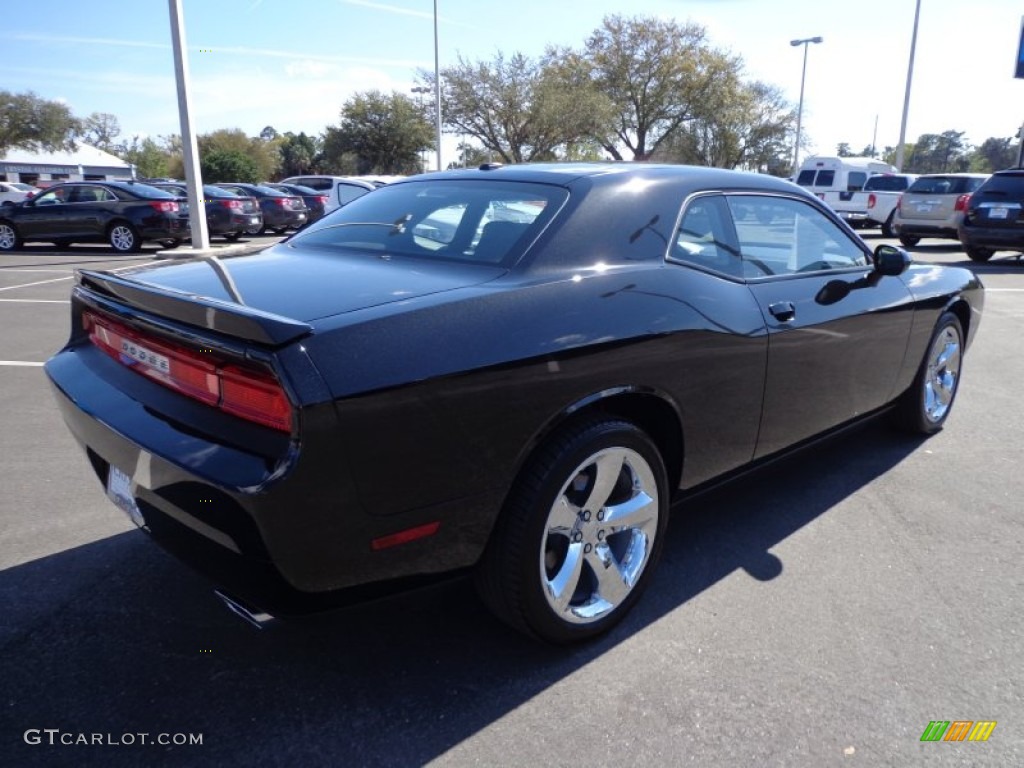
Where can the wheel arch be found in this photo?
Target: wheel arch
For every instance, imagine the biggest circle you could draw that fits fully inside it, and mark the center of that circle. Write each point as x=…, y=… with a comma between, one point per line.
x=653, y=411
x=962, y=310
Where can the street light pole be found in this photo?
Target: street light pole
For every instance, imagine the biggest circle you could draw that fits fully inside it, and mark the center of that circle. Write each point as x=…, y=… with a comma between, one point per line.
x=437, y=89
x=800, y=109
x=906, y=97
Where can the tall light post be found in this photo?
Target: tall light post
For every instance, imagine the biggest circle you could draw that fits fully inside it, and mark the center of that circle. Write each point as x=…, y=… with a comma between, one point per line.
x=906, y=98
x=437, y=89
x=800, y=109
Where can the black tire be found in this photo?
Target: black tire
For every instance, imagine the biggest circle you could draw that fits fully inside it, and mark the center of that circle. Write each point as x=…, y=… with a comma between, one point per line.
x=924, y=408
x=909, y=241
x=170, y=244
x=61, y=245
x=887, y=230
x=10, y=240
x=232, y=236
x=280, y=230
x=975, y=253
x=545, y=527
x=123, y=237
x=258, y=230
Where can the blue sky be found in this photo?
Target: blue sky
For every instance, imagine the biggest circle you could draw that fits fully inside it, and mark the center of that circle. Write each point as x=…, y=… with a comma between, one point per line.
x=293, y=64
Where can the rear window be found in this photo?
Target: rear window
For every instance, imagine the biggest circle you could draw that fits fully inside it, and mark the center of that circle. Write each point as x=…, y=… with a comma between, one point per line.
x=945, y=185
x=886, y=184
x=811, y=178
x=1008, y=185
x=486, y=222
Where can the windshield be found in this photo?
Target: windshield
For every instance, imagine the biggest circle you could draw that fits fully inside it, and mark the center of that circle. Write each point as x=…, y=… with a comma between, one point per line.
x=488, y=222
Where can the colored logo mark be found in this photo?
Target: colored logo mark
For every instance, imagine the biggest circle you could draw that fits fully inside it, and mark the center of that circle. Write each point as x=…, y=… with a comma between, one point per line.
x=958, y=730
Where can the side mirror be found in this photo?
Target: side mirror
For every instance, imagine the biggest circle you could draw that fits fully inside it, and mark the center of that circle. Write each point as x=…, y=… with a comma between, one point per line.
x=890, y=260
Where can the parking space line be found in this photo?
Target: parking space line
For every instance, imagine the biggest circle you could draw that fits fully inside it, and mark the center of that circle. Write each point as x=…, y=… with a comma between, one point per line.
x=26, y=269
x=38, y=282
x=21, y=364
x=1004, y=290
x=35, y=301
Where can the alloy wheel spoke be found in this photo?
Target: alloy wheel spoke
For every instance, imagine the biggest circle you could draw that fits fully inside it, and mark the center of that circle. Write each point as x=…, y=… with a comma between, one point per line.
x=563, y=585
x=563, y=516
x=607, y=466
x=637, y=512
x=611, y=582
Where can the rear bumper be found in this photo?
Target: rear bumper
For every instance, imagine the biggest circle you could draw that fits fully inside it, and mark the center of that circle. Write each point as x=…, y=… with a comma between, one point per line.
x=997, y=238
x=285, y=534
x=939, y=229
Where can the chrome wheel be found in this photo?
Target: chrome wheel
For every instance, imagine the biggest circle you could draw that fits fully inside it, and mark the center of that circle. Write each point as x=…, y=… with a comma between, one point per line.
x=599, y=535
x=123, y=238
x=8, y=238
x=942, y=373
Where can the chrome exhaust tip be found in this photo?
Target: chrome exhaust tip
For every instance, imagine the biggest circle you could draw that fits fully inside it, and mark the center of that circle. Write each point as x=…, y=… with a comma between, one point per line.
x=255, y=617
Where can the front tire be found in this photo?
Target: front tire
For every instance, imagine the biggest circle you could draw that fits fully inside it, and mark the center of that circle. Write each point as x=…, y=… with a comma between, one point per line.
x=887, y=230
x=123, y=237
x=9, y=238
x=924, y=407
x=580, y=533
x=909, y=241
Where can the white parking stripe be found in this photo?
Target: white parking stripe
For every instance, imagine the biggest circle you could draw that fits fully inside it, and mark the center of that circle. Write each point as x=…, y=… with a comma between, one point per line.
x=1004, y=290
x=36, y=301
x=21, y=363
x=39, y=282
x=25, y=269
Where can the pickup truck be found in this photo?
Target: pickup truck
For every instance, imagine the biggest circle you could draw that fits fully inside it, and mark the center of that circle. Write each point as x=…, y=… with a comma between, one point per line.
x=874, y=205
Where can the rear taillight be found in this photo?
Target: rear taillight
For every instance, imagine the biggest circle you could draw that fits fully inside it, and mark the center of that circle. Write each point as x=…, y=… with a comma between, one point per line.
x=283, y=202
x=322, y=199
x=899, y=204
x=164, y=206
x=254, y=395
x=962, y=202
x=233, y=204
x=872, y=200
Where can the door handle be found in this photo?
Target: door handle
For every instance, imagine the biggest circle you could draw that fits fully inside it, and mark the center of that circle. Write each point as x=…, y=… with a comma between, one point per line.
x=783, y=311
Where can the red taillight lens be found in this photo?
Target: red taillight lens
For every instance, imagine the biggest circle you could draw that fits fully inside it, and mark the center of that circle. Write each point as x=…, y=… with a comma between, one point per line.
x=233, y=204
x=255, y=396
x=284, y=202
x=252, y=395
x=322, y=199
x=164, y=206
x=872, y=200
x=962, y=202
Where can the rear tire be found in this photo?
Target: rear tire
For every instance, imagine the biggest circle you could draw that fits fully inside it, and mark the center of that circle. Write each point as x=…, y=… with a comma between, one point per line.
x=909, y=241
x=9, y=238
x=924, y=407
x=232, y=236
x=123, y=237
x=580, y=533
x=280, y=230
x=978, y=254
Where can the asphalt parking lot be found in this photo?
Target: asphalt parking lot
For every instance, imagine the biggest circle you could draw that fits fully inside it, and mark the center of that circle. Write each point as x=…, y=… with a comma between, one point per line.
x=820, y=613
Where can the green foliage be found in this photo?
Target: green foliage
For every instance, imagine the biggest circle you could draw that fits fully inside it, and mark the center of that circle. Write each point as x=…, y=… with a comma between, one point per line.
x=383, y=132
x=148, y=157
x=100, y=129
x=994, y=155
x=298, y=153
x=263, y=155
x=30, y=122
x=945, y=152
x=228, y=165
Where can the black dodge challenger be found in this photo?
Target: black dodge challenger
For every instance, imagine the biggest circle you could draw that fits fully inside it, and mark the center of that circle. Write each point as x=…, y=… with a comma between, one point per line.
x=513, y=370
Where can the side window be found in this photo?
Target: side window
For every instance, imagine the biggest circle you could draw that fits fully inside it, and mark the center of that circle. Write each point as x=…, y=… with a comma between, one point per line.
x=53, y=197
x=313, y=182
x=781, y=235
x=349, y=192
x=825, y=179
x=704, y=237
x=855, y=181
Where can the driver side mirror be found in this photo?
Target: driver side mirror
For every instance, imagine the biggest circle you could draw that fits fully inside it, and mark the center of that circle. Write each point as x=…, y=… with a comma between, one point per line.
x=890, y=260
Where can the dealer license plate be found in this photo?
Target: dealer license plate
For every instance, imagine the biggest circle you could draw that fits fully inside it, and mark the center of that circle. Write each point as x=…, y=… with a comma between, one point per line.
x=998, y=213
x=119, y=490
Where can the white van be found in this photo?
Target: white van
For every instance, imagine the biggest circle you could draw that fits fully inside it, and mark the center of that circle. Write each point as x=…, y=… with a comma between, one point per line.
x=836, y=179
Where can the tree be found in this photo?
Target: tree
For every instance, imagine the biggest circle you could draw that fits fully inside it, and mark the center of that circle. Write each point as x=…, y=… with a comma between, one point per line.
x=33, y=123
x=228, y=165
x=298, y=153
x=264, y=155
x=269, y=133
x=994, y=154
x=518, y=108
x=100, y=129
x=657, y=74
x=149, y=159
x=384, y=132
x=938, y=153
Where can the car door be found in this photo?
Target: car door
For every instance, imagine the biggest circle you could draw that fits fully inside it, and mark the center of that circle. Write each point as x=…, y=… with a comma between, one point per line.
x=44, y=216
x=837, y=329
x=89, y=209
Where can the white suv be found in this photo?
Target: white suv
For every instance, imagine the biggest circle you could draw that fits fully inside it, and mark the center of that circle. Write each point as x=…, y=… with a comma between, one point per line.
x=340, y=190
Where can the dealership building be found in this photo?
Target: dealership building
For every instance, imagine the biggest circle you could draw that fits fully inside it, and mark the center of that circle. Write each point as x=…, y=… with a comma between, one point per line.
x=86, y=163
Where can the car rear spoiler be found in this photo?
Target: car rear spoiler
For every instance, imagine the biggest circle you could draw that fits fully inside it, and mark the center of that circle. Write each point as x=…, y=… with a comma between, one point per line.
x=230, y=319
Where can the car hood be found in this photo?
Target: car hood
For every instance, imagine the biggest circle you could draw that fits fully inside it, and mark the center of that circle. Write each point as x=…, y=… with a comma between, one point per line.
x=308, y=285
